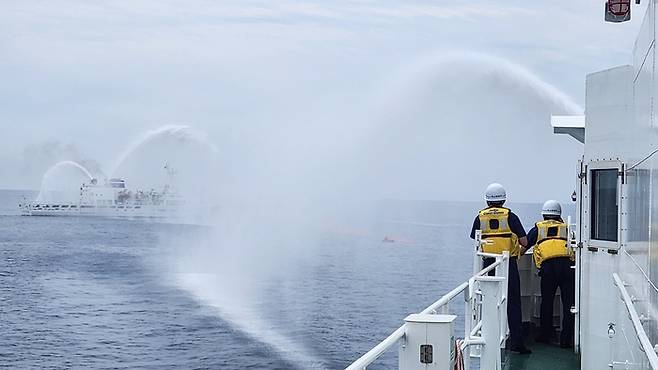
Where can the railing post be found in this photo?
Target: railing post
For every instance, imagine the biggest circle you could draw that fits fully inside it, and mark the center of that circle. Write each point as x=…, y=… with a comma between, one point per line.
x=473, y=305
x=490, y=286
x=468, y=317
x=477, y=260
x=504, y=273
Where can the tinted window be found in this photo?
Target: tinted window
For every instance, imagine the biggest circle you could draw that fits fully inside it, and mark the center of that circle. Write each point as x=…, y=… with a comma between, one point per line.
x=604, y=205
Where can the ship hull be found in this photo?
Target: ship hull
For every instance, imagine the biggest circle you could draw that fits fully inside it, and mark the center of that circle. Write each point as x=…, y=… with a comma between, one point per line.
x=144, y=211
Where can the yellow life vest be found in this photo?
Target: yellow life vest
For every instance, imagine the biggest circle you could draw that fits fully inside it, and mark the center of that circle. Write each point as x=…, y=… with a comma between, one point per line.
x=552, y=239
x=496, y=234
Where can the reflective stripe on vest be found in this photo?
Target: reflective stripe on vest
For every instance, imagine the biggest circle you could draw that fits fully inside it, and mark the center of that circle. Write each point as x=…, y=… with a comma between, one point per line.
x=551, y=241
x=497, y=236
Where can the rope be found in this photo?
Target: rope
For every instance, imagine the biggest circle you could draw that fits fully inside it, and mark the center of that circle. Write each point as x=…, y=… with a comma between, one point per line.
x=459, y=355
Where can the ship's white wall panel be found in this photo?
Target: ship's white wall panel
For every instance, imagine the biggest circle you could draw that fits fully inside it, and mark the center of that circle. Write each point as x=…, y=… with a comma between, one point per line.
x=598, y=309
x=618, y=111
x=621, y=125
x=647, y=295
x=644, y=40
x=609, y=112
x=636, y=251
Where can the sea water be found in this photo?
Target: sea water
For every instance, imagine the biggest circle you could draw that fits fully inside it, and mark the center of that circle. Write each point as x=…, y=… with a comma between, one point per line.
x=81, y=292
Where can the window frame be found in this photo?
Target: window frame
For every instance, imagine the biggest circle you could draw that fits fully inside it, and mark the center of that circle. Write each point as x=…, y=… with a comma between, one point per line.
x=591, y=168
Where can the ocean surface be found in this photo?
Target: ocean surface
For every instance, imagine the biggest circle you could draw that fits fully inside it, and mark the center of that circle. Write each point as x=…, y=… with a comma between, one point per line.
x=112, y=293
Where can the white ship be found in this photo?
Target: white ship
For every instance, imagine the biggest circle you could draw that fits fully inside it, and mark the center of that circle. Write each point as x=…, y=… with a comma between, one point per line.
x=112, y=198
x=614, y=237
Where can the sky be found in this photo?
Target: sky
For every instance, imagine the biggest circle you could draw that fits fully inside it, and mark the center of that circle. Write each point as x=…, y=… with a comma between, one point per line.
x=332, y=96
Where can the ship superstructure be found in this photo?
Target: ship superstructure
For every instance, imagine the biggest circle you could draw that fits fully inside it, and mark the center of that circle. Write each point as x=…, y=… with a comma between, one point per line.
x=112, y=198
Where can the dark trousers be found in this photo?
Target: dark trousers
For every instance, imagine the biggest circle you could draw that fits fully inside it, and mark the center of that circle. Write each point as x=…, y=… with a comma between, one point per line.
x=514, y=317
x=557, y=272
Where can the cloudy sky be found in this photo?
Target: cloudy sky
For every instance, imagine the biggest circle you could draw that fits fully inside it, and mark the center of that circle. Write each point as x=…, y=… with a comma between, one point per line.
x=83, y=79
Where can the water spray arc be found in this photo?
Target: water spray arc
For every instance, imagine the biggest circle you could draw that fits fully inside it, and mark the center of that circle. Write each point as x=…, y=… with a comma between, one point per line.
x=480, y=65
x=73, y=164
x=181, y=133
x=445, y=111
x=49, y=179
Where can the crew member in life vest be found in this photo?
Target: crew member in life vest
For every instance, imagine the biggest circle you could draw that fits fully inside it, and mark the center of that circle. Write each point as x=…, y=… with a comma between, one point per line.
x=501, y=230
x=554, y=259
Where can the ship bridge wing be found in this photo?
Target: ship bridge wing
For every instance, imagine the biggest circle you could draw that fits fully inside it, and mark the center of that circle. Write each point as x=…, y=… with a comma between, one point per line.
x=573, y=126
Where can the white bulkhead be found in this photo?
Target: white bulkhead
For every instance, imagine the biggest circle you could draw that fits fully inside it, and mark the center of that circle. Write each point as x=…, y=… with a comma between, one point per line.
x=618, y=208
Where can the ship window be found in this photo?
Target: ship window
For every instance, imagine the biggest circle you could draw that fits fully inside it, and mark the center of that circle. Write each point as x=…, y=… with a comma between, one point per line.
x=604, y=205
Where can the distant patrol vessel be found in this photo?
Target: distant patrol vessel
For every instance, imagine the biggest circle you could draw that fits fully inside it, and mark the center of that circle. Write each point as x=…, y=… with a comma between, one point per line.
x=614, y=237
x=113, y=199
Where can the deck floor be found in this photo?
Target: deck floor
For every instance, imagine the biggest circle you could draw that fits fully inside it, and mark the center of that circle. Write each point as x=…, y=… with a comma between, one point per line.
x=543, y=357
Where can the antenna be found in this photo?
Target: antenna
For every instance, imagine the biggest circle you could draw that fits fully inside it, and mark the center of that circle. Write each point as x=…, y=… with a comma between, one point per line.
x=171, y=174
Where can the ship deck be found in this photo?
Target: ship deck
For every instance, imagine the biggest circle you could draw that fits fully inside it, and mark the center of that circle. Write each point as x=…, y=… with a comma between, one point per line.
x=543, y=357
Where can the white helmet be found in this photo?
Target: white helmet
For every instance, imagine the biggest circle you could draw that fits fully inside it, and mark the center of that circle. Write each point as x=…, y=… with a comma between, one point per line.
x=495, y=193
x=551, y=208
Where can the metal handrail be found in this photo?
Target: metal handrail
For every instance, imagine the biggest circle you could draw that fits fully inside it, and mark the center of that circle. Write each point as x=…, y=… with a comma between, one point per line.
x=445, y=299
x=647, y=347
x=369, y=357
x=378, y=350
x=489, y=268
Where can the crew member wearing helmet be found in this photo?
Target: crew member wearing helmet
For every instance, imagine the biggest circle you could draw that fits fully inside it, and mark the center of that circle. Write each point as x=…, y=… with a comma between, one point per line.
x=554, y=258
x=501, y=230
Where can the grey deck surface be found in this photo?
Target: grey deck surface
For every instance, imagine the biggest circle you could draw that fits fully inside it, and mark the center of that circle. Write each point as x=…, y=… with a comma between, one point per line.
x=543, y=357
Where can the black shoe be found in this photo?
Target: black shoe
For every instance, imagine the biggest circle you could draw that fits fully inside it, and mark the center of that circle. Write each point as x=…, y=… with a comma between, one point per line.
x=542, y=339
x=522, y=350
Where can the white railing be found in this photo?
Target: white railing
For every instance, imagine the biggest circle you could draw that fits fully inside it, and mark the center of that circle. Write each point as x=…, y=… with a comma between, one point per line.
x=642, y=337
x=485, y=311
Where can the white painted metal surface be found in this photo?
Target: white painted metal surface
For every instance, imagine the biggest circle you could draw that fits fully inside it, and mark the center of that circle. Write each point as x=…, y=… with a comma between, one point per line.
x=491, y=317
x=621, y=133
x=569, y=125
x=645, y=343
x=433, y=332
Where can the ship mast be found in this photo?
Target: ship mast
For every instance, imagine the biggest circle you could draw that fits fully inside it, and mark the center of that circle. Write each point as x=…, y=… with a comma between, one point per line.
x=171, y=174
